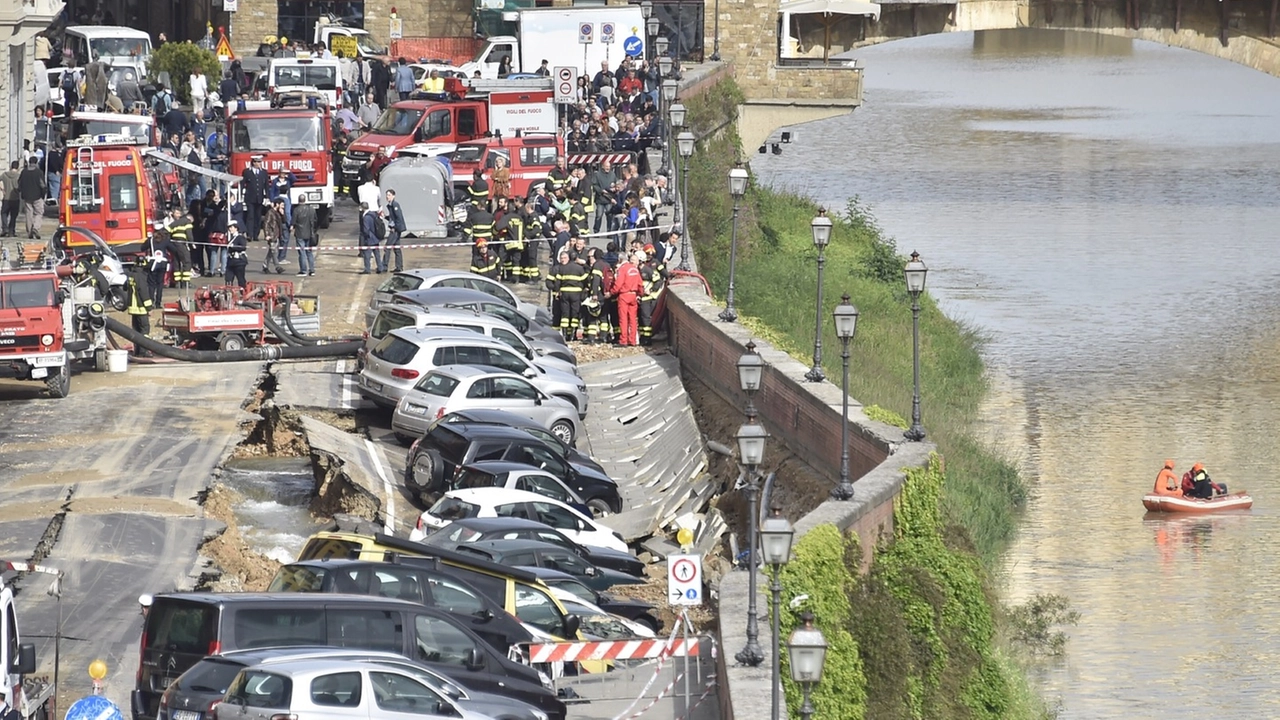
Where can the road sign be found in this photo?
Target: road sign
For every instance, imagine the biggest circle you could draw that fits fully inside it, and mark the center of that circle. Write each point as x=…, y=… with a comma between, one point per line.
x=684, y=579
x=224, y=49
x=633, y=46
x=566, y=84
x=397, y=28
x=606, y=33
x=230, y=5
x=94, y=707
x=586, y=33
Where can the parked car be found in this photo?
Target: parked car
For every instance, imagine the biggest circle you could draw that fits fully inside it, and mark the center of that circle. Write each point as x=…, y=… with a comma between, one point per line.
x=441, y=277
x=629, y=608
x=473, y=529
x=536, y=553
x=484, y=302
x=395, y=316
x=435, y=460
x=501, y=502
x=195, y=693
x=459, y=387
x=518, y=476
x=181, y=628
x=396, y=364
x=432, y=587
x=477, y=416
x=335, y=690
x=599, y=623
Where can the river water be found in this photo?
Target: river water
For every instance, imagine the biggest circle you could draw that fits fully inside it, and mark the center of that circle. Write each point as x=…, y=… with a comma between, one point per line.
x=1106, y=211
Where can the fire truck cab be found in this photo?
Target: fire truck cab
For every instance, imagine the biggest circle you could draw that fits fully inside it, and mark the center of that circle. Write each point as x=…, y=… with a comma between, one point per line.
x=112, y=187
x=46, y=321
x=530, y=157
x=295, y=136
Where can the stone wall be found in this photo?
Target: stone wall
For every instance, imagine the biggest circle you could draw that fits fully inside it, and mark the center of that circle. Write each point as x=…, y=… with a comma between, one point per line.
x=438, y=18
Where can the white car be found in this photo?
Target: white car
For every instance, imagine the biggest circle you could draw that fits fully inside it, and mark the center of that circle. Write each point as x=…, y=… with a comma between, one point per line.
x=505, y=502
x=465, y=387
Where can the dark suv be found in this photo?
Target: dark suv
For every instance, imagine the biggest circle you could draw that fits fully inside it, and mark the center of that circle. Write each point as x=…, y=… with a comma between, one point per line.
x=435, y=458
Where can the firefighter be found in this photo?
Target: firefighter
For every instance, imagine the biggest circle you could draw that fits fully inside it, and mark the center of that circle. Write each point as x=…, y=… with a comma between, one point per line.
x=653, y=278
x=510, y=231
x=484, y=261
x=478, y=190
x=237, y=254
x=180, y=231
x=532, y=239
x=558, y=176
x=139, y=308
x=568, y=282
x=577, y=212
x=595, y=321
x=340, y=145
x=155, y=259
x=479, y=223
x=627, y=287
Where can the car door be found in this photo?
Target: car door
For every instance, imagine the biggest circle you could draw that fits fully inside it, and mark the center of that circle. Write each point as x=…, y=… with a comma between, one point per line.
x=400, y=697
x=513, y=394
x=507, y=359
x=560, y=518
x=259, y=695
x=546, y=486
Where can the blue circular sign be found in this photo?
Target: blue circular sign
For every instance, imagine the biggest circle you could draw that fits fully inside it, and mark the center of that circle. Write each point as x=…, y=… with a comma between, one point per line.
x=633, y=46
x=94, y=707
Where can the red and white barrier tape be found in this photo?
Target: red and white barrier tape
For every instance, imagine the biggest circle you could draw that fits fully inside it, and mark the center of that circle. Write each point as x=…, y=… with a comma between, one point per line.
x=612, y=650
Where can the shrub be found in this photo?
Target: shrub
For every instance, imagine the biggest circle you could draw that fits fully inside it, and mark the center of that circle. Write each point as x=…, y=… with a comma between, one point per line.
x=180, y=60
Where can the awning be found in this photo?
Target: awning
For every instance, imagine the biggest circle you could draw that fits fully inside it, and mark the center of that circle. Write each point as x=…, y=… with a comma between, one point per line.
x=831, y=7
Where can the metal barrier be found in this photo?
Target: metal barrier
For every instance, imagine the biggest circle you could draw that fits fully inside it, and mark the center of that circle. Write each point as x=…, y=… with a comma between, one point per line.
x=665, y=679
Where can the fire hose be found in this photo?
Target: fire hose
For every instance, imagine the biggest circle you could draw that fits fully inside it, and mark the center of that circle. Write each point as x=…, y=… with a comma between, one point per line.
x=263, y=352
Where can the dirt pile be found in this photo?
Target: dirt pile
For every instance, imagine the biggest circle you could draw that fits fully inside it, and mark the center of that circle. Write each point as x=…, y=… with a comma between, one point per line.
x=242, y=568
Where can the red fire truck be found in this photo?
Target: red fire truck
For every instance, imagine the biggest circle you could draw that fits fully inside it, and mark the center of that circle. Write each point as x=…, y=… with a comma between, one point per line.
x=46, y=321
x=113, y=186
x=296, y=136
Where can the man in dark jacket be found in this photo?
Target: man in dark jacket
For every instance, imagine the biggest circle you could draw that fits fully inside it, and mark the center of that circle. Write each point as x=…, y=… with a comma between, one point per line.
x=306, y=231
x=380, y=79
x=395, y=225
x=254, y=186
x=368, y=237
x=31, y=188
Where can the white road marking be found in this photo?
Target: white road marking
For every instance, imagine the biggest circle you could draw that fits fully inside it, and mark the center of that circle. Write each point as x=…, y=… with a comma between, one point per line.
x=390, y=523
x=348, y=399
x=358, y=300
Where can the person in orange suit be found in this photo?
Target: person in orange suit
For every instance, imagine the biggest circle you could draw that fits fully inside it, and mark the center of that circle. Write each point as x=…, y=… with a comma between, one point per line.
x=1167, y=481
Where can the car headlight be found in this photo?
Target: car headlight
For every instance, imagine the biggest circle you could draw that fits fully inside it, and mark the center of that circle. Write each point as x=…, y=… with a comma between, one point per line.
x=546, y=682
x=46, y=339
x=582, y=388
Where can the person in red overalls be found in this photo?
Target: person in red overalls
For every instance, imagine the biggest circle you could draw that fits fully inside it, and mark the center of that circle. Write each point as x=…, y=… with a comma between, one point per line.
x=626, y=287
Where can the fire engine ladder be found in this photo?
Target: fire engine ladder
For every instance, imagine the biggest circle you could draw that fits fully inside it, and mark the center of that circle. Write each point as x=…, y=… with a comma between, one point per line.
x=85, y=187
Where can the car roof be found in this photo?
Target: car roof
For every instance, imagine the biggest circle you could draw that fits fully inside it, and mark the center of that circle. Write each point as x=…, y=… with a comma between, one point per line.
x=435, y=272
x=314, y=666
x=498, y=524
x=436, y=332
x=547, y=573
x=450, y=294
x=257, y=656
x=484, y=430
x=108, y=31
x=282, y=597
x=484, y=416
x=496, y=495
x=442, y=313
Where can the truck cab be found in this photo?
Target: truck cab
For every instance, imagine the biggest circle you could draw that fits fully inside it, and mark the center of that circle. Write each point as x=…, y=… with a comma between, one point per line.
x=351, y=42
x=530, y=158
x=116, y=46
x=306, y=72
x=110, y=187
x=296, y=139
x=412, y=122
x=16, y=657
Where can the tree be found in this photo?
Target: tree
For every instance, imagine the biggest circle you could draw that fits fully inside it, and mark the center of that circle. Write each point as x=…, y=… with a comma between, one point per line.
x=180, y=60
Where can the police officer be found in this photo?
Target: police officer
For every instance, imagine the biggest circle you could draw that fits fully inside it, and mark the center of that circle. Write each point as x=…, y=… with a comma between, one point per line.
x=253, y=186
x=484, y=261
x=510, y=232
x=155, y=258
x=568, y=282
x=237, y=254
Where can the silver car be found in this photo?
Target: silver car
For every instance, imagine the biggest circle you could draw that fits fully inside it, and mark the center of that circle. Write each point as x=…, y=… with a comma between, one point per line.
x=485, y=303
x=440, y=277
x=465, y=387
x=395, y=316
x=334, y=690
x=400, y=360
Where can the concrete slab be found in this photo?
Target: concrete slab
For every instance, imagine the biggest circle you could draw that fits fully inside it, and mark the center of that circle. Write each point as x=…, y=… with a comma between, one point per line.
x=319, y=384
x=360, y=462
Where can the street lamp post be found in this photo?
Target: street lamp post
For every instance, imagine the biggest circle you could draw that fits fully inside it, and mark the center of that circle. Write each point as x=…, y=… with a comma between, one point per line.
x=660, y=47
x=664, y=69
x=776, y=535
x=821, y=227
x=915, y=272
x=715, y=49
x=846, y=319
x=751, y=438
x=807, y=650
x=646, y=12
x=737, y=188
x=684, y=143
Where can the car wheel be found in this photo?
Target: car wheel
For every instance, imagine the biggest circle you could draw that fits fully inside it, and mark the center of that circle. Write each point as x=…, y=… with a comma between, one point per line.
x=599, y=507
x=563, y=429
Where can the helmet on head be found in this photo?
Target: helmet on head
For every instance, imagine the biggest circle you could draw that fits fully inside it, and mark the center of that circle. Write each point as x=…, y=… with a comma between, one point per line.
x=1197, y=467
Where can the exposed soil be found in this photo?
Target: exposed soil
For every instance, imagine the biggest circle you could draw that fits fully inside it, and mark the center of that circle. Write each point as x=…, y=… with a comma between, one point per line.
x=242, y=568
x=587, y=353
x=654, y=591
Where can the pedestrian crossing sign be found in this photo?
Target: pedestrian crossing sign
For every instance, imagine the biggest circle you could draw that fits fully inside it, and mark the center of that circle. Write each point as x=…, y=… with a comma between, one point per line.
x=224, y=49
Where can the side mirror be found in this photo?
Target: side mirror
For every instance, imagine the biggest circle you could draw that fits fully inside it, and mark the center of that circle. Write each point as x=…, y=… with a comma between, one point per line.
x=475, y=661
x=571, y=625
x=537, y=399
x=451, y=690
x=592, y=571
x=530, y=372
x=59, y=297
x=25, y=663
x=485, y=614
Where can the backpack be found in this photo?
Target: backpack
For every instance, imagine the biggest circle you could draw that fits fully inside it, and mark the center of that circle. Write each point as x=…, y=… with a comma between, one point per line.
x=379, y=227
x=68, y=81
x=161, y=108
x=606, y=281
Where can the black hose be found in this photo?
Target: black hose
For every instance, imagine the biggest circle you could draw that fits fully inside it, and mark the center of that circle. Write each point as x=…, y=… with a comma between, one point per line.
x=307, y=339
x=285, y=336
x=263, y=352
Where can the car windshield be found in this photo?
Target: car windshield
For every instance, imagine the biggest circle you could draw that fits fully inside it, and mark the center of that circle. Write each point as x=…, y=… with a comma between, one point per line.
x=573, y=586
x=320, y=77
x=468, y=154
x=397, y=121
x=26, y=293
x=437, y=385
x=451, y=508
x=297, y=133
x=400, y=282
x=368, y=46
x=387, y=321
x=210, y=675
x=120, y=47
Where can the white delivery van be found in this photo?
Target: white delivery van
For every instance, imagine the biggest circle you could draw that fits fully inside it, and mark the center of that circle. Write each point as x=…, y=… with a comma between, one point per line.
x=118, y=47
x=297, y=73
x=554, y=34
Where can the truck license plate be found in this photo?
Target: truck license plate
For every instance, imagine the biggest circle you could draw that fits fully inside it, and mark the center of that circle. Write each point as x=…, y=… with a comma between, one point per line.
x=185, y=715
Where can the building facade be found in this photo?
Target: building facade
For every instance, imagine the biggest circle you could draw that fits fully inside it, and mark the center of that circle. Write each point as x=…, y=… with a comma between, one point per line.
x=20, y=20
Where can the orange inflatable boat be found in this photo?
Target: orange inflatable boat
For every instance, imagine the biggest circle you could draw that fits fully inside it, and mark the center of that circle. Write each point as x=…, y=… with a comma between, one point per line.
x=1177, y=504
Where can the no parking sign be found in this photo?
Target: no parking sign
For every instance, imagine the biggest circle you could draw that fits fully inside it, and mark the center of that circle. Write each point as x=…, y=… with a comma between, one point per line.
x=606, y=33
x=586, y=33
x=566, y=84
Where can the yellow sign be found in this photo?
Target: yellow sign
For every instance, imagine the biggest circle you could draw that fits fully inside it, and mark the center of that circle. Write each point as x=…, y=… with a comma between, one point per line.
x=224, y=49
x=345, y=44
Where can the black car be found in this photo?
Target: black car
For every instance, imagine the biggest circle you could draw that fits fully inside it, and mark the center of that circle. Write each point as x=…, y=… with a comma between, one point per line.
x=475, y=529
x=435, y=459
x=433, y=587
x=543, y=554
x=507, y=419
x=624, y=607
x=195, y=692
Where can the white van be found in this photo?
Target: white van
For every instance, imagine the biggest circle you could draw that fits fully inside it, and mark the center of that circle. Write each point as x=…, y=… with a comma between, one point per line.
x=295, y=72
x=116, y=46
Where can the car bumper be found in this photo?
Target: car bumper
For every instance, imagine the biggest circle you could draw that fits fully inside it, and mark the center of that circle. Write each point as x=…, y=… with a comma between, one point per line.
x=382, y=394
x=409, y=423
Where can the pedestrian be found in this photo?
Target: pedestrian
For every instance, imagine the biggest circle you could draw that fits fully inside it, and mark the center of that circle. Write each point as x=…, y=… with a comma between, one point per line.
x=501, y=188
x=139, y=307
x=31, y=190
x=626, y=288
x=273, y=224
x=380, y=78
x=404, y=79
x=11, y=204
x=193, y=152
x=253, y=185
x=369, y=111
x=216, y=224
x=306, y=232
x=216, y=150
x=368, y=237
x=509, y=230
x=181, y=229
x=237, y=255
x=199, y=85
x=394, y=218
x=568, y=282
